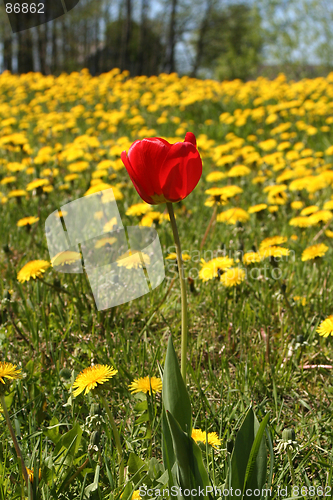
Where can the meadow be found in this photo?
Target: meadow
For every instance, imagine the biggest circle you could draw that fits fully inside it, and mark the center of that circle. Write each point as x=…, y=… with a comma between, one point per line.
x=256, y=241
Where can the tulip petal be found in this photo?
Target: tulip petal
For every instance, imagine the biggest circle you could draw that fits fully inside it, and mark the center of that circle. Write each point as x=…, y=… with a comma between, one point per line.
x=131, y=173
x=190, y=137
x=146, y=158
x=181, y=171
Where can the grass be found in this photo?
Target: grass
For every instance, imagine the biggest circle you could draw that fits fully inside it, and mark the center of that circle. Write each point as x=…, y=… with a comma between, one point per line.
x=244, y=342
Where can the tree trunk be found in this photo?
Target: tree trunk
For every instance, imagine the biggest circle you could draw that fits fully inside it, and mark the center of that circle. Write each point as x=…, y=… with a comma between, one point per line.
x=25, y=56
x=42, y=41
x=7, y=53
x=124, y=62
x=143, y=26
x=170, y=57
x=54, y=60
x=201, y=38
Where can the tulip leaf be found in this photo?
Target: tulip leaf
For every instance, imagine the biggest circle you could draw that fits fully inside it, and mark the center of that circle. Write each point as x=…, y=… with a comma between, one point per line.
x=191, y=470
x=174, y=393
x=255, y=476
x=176, y=401
x=167, y=445
x=249, y=456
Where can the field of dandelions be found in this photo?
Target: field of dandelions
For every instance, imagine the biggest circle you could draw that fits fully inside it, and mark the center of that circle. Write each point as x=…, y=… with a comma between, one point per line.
x=256, y=237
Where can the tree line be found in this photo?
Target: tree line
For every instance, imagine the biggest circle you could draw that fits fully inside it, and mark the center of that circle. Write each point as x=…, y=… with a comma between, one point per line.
x=222, y=39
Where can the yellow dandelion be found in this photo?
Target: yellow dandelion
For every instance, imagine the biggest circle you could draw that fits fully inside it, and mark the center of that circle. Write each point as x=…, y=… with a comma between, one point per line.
x=215, y=176
x=328, y=205
x=217, y=197
x=101, y=186
x=27, y=221
x=17, y=193
x=33, y=269
x=201, y=436
x=10, y=371
x=136, y=495
x=173, y=256
x=213, y=440
x=257, y=208
x=15, y=167
x=90, y=377
x=8, y=180
x=71, y=177
x=115, y=194
x=99, y=215
x=239, y=171
x=111, y=225
x=212, y=268
x=326, y=327
x=233, y=215
x=251, y=257
x=300, y=222
x=320, y=216
x=224, y=192
x=105, y=241
x=151, y=218
x=198, y=435
x=298, y=298
x=273, y=240
x=297, y=205
x=329, y=233
x=79, y=166
x=314, y=251
x=273, y=251
x=133, y=259
x=309, y=210
x=146, y=384
x=232, y=277
x=67, y=257
x=37, y=183
x=139, y=209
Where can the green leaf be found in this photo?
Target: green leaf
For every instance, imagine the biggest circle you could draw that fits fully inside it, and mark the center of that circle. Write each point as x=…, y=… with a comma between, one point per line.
x=155, y=469
x=94, y=485
x=137, y=467
x=175, y=396
x=128, y=491
x=168, y=454
x=66, y=440
x=142, y=418
x=241, y=452
x=176, y=401
x=191, y=470
x=249, y=456
x=9, y=399
x=135, y=463
x=52, y=431
x=141, y=406
x=256, y=469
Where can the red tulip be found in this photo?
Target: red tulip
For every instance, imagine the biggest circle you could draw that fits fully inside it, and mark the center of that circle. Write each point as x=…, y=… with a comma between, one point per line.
x=161, y=171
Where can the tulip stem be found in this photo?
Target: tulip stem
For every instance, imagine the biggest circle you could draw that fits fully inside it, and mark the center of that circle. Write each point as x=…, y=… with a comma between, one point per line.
x=182, y=290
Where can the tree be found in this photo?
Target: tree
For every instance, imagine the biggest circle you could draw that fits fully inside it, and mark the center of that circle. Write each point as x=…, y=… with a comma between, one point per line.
x=230, y=41
x=171, y=42
x=106, y=58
